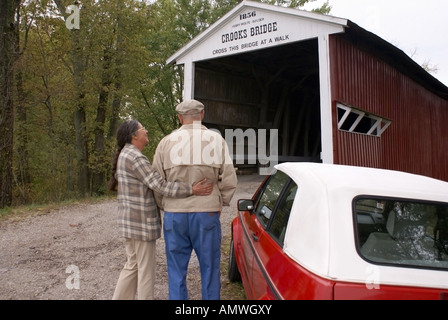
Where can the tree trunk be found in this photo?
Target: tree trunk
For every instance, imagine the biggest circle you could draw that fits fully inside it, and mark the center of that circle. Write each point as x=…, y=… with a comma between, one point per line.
x=82, y=150
x=7, y=58
x=21, y=161
x=116, y=101
x=98, y=174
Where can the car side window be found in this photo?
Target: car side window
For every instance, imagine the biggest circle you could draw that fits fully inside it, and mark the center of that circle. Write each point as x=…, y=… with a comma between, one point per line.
x=281, y=216
x=402, y=231
x=269, y=197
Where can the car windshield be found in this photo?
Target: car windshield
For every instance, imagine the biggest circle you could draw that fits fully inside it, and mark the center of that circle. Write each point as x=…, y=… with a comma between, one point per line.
x=402, y=232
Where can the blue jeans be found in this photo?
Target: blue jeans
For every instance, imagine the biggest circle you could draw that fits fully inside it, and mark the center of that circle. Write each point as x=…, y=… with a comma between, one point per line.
x=198, y=231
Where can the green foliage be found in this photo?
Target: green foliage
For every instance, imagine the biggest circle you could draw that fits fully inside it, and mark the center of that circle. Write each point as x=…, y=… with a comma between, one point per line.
x=76, y=86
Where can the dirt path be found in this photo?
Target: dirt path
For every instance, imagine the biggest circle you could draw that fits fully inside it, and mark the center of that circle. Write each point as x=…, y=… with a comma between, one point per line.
x=75, y=252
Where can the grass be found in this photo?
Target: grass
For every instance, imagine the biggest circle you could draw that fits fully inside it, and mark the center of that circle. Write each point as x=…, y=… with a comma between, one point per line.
x=229, y=290
x=23, y=212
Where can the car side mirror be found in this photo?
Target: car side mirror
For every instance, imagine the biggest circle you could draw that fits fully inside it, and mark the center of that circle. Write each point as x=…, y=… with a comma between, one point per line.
x=245, y=205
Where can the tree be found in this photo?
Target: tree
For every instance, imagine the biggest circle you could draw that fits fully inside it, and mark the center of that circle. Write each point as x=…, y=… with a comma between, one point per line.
x=7, y=59
x=74, y=86
x=97, y=56
x=427, y=65
x=21, y=172
x=78, y=60
x=43, y=165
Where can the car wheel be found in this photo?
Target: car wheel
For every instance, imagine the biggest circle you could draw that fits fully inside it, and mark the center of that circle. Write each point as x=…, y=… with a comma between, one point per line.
x=234, y=273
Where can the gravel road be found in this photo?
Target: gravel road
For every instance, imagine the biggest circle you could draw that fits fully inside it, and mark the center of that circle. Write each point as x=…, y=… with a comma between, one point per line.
x=75, y=252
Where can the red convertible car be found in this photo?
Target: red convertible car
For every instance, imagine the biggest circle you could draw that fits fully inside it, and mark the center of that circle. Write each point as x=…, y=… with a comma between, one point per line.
x=318, y=231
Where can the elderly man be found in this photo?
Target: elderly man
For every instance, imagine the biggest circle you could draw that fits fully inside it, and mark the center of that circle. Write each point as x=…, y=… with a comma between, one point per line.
x=193, y=223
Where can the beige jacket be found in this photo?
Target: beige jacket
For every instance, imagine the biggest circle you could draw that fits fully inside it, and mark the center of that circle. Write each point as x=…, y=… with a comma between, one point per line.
x=190, y=154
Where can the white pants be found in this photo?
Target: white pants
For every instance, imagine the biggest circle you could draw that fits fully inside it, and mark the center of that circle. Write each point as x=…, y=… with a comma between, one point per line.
x=139, y=272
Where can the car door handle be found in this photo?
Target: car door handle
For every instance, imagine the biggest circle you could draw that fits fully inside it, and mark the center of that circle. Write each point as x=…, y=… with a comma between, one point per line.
x=254, y=236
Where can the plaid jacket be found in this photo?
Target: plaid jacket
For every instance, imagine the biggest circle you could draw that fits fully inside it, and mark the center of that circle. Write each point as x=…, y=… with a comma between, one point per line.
x=138, y=215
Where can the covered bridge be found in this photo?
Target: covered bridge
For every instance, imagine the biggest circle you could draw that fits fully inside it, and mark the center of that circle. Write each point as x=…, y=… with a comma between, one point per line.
x=323, y=88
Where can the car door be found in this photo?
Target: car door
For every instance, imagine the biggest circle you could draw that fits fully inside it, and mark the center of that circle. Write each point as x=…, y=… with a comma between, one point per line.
x=251, y=232
x=266, y=232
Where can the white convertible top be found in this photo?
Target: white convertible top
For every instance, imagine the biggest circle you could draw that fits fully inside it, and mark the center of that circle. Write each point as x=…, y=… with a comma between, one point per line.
x=320, y=234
